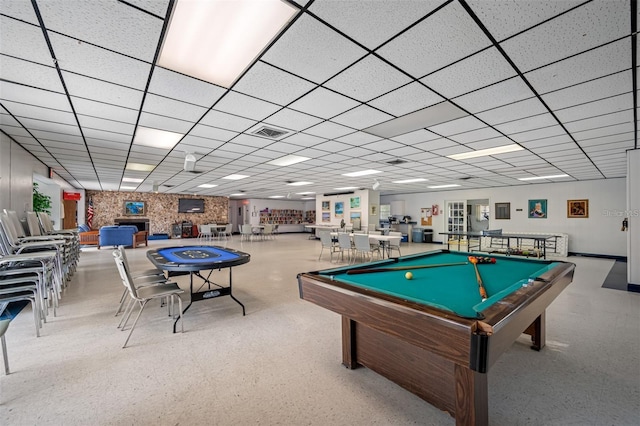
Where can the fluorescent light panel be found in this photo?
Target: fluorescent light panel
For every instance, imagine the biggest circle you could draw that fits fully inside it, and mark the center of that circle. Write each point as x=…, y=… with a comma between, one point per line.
x=128, y=187
x=484, y=152
x=305, y=193
x=134, y=180
x=362, y=173
x=288, y=160
x=453, y=185
x=239, y=194
x=207, y=185
x=235, y=177
x=345, y=188
x=410, y=180
x=543, y=177
x=217, y=40
x=156, y=138
x=299, y=183
x=276, y=196
x=140, y=167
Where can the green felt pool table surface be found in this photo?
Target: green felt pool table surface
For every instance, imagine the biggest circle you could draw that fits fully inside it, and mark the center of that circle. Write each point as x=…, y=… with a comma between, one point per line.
x=453, y=288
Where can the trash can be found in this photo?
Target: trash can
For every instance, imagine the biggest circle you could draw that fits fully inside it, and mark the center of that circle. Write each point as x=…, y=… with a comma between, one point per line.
x=416, y=235
x=427, y=236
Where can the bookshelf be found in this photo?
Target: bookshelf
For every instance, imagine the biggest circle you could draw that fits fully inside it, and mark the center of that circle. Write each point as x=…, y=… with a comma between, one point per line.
x=310, y=216
x=282, y=216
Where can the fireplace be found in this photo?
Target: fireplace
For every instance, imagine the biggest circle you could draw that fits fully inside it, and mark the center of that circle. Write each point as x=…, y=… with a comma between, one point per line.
x=141, y=223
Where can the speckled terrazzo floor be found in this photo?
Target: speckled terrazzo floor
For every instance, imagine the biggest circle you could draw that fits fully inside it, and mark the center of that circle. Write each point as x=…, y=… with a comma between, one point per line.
x=280, y=364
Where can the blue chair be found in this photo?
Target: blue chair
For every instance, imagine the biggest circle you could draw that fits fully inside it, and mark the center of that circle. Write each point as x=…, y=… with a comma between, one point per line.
x=122, y=235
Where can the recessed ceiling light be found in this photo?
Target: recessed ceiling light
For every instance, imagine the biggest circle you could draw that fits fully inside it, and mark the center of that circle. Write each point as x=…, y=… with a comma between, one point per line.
x=238, y=194
x=299, y=183
x=140, y=167
x=443, y=186
x=305, y=193
x=308, y=198
x=288, y=160
x=543, y=177
x=217, y=40
x=207, y=185
x=362, y=173
x=410, y=180
x=345, y=188
x=235, y=177
x=128, y=187
x=485, y=152
x=156, y=138
x=276, y=196
x=135, y=180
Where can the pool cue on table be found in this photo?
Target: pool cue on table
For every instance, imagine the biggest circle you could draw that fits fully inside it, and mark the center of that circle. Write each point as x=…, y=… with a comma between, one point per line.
x=401, y=268
x=483, y=292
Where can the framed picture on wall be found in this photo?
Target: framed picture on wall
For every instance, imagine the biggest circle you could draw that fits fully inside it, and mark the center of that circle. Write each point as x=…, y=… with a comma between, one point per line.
x=134, y=208
x=354, y=202
x=326, y=206
x=578, y=208
x=503, y=211
x=339, y=209
x=537, y=209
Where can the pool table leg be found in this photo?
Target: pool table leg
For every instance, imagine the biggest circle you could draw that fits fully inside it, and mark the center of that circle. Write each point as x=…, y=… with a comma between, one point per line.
x=349, y=343
x=472, y=400
x=537, y=332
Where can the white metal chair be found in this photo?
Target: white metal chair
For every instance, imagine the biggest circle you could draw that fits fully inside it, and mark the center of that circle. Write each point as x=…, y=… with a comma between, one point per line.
x=204, y=233
x=4, y=324
x=142, y=295
x=364, y=248
x=394, y=244
x=328, y=243
x=267, y=231
x=345, y=245
x=245, y=232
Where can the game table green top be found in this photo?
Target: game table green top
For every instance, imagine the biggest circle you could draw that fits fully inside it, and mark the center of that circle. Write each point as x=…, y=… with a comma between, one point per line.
x=450, y=288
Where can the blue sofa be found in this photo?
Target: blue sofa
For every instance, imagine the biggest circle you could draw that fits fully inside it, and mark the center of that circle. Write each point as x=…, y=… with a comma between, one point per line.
x=126, y=235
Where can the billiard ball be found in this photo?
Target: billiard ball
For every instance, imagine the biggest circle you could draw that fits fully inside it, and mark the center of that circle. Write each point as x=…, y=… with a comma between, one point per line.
x=408, y=275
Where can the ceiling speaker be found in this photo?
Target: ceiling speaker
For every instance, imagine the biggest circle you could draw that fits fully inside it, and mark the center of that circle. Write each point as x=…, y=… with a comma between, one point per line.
x=375, y=185
x=189, y=162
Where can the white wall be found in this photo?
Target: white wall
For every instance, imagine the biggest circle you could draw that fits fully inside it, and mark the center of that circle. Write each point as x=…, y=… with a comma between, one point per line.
x=633, y=214
x=368, y=198
x=598, y=234
x=17, y=168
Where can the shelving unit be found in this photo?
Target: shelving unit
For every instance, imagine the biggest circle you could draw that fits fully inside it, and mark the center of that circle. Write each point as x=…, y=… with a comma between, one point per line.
x=310, y=216
x=282, y=217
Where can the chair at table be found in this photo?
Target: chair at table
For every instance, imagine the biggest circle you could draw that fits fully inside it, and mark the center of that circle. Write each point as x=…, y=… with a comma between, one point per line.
x=256, y=232
x=364, y=248
x=267, y=231
x=328, y=243
x=228, y=231
x=141, y=278
x=4, y=324
x=205, y=234
x=245, y=232
x=142, y=295
x=395, y=243
x=345, y=245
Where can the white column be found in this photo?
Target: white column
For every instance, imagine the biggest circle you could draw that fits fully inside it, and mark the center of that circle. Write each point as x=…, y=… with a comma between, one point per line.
x=633, y=216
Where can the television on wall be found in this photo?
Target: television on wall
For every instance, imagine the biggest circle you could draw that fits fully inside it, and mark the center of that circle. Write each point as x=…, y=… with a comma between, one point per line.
x=190, y=205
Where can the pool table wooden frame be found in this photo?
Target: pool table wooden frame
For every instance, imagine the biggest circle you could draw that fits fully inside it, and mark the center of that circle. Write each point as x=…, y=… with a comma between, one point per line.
x=435, y=354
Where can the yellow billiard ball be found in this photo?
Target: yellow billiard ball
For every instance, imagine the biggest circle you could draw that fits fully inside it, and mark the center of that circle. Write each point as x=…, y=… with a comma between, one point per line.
x=408, y=275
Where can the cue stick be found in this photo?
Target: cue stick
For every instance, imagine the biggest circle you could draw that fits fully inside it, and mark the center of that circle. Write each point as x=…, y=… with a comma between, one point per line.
x=483, y=292
x=402, y=268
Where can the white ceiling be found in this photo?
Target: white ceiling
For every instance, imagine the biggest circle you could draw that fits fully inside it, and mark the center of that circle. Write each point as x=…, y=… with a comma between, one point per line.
x=554, y=76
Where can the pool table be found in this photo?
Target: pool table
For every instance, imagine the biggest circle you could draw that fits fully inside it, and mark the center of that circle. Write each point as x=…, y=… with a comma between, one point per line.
x=434, y=334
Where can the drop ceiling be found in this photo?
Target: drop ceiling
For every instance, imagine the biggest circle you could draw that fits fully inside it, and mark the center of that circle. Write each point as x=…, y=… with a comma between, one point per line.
x=558, y=78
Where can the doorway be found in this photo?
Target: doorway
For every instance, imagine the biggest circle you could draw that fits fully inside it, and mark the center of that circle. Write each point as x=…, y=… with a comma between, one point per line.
x=70, y=220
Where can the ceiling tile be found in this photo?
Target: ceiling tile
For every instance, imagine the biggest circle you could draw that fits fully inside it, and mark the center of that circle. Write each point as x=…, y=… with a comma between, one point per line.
x=593, y=90
x=406, y=99
x=591, y=25
x=184, y=88
x=595, y=108
x=499, y=94
x=271, y=84
x=313, y=51
x=435, y=43
x=30, y=74
x=171, y=108
x=290, y=119
x=328, y=130
x=93, y=89
x=245, y=106
x=361, y=117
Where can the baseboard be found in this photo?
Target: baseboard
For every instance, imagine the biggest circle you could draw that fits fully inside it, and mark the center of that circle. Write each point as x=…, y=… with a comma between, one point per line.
x=599, y=256
x=633, y=287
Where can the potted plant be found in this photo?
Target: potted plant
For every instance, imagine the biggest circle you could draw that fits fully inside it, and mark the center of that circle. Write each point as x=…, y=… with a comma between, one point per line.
x=41, y=202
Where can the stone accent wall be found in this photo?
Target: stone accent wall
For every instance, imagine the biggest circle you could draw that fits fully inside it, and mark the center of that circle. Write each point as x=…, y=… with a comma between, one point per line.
x=161, y=209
